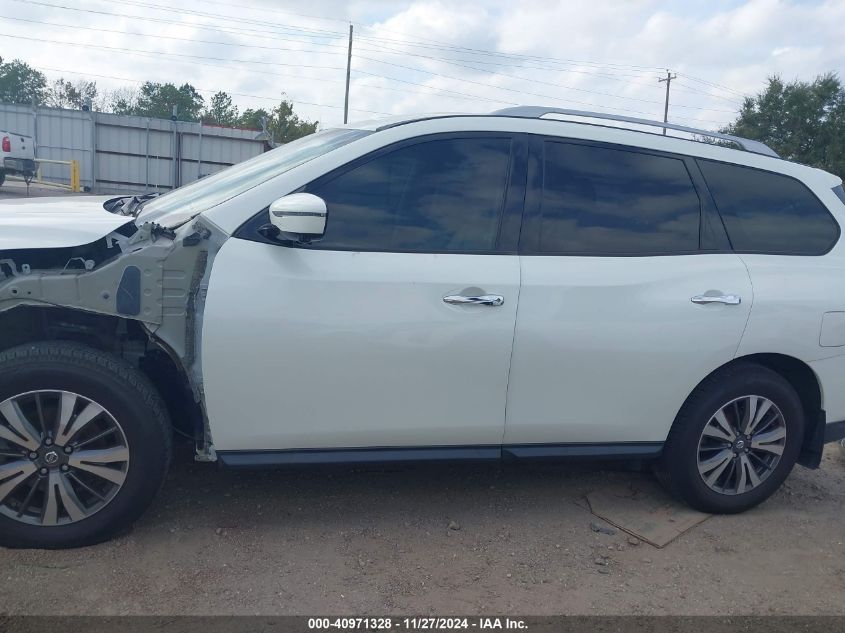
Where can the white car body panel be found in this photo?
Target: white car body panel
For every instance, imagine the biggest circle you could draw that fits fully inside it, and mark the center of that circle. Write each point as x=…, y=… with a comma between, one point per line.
x=608, y=348
x=351, y=349
x=55, y=222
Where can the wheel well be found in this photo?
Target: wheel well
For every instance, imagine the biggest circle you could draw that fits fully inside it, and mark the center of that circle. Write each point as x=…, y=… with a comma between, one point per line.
x=118, y=336
x=803, y=379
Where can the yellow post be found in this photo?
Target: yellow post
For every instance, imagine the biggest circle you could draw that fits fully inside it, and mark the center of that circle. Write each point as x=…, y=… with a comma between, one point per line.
x=74, y=177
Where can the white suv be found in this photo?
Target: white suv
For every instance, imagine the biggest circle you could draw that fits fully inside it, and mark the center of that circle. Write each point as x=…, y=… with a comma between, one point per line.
x=509, y=286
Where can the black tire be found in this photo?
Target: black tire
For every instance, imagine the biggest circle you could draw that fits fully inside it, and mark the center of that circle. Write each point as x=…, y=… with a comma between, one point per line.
x=2, y=177
x=678, y=467
x=131, y=400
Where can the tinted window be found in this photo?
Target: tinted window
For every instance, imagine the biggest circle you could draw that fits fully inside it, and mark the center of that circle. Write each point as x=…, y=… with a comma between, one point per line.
x=599, y=200
x=444, y=195
x=769, y=213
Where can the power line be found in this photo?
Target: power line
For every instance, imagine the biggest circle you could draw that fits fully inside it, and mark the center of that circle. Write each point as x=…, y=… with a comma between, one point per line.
x=549, y=83
x=695, y=90
x=409, y=41
x=131, y=51
x=267, y=34
x=121, y=50
x=504, y=88
x=209, y=90
x=279, y=48
x=714, y=85
x=77, y=73
x=316, y=33
x=171, y=37
x=188, y=55
x=229, y=30
x=454, y=95
x=322, y=33
x=282, y=48
x=148, y=52
x=414, y=83
x=448, y=93
x=142, y=52
x=128, y=51
x=515, y=56
x=381, y=48
x=619, y=77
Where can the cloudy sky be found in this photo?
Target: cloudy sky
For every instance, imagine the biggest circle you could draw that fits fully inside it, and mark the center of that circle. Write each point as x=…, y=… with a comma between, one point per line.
x=437, y=55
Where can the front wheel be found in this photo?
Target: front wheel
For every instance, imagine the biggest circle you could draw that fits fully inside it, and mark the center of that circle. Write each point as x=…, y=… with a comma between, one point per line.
x=734, y=441
x=84, y=445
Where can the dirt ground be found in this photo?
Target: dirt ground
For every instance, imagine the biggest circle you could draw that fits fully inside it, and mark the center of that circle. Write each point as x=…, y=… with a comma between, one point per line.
x=465, y=539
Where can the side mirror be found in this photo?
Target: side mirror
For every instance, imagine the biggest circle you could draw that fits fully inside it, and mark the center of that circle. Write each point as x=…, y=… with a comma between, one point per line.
x=300, y=217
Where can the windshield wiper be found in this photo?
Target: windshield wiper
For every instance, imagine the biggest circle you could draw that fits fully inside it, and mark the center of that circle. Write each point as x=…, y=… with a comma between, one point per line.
x=128, y=205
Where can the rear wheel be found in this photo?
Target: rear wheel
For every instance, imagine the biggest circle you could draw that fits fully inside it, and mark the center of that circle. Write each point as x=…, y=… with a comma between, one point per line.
x=734, y=441
x=84, y=445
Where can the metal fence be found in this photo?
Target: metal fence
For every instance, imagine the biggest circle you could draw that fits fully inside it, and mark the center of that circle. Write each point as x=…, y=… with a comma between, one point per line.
x=120, y=154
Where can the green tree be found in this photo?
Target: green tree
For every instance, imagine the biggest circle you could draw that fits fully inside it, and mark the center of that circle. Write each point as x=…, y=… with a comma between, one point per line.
x=121, y=100
x=157, y=100
x=21, y=83
x=801, y=121
x=285, y=126
x=252, y=119
x=66, y=94
x=221, y=110
x=282, y=123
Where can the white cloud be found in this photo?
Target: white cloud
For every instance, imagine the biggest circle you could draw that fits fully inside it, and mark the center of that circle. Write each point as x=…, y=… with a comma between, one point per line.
x=424, y=55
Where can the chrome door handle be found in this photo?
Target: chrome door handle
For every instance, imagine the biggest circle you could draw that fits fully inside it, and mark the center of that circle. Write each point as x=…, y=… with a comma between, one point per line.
x=481, y=300
x=731, y=300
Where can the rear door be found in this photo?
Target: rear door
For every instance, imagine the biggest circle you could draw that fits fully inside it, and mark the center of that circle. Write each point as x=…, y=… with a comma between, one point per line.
x=630, y=295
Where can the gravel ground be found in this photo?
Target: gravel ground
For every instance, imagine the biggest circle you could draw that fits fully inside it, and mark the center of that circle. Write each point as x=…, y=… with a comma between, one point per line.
x=447, y=539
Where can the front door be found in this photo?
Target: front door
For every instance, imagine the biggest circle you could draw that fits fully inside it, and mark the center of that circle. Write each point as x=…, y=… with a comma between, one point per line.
x=394, y=330
x=630, y=296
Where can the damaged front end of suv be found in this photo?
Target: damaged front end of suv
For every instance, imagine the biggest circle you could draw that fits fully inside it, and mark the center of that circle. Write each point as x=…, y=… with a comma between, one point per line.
x=137, y=291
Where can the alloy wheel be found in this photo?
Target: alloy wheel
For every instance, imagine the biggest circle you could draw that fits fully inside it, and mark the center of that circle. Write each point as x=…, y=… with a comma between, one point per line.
x=63, y=457
x=741, y=445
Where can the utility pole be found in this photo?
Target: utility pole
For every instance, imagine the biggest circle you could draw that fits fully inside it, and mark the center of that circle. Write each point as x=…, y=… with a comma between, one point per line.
x=668, y=79
x=348, y=71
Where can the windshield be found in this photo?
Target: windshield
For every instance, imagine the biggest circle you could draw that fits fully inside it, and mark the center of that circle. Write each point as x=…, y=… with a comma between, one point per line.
x=208, y=192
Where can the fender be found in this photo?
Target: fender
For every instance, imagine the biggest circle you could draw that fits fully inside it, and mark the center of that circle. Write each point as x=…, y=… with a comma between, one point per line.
x=156, y=276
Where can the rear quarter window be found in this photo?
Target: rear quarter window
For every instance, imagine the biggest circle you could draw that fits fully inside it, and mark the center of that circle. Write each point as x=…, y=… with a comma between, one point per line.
x=764, y=212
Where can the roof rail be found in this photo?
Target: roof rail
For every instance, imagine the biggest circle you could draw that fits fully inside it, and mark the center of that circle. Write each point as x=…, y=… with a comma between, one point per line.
x=536, y=112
